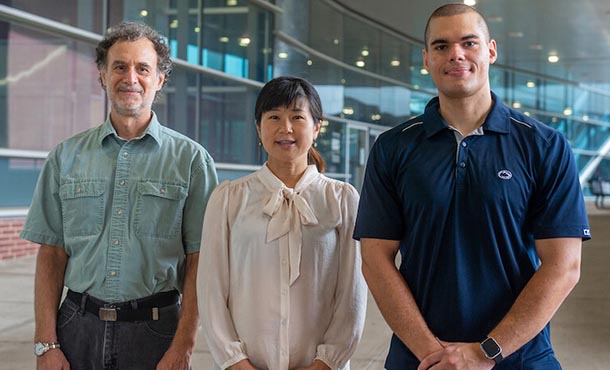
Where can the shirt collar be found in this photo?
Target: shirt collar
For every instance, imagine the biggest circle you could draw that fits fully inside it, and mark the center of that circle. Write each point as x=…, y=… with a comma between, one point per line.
x=153, y=130
x=497, y=120
x=273, y=183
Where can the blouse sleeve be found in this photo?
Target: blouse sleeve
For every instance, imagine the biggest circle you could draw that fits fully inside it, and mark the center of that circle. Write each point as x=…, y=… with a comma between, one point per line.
x=213, y=283
x=345, y=329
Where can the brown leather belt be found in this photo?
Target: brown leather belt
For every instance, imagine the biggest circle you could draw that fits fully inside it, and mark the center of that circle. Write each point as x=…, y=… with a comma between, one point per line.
x=143, y=309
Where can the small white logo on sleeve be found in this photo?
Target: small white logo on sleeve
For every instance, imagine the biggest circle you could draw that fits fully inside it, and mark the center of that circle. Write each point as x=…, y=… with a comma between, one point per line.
x=587, y=232
x=505, y=174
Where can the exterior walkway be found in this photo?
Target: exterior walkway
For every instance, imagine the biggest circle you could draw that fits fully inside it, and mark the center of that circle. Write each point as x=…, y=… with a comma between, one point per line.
x=581, y=328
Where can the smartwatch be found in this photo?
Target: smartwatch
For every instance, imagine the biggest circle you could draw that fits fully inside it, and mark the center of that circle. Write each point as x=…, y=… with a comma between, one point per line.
x=492, y=350
x=40, y=348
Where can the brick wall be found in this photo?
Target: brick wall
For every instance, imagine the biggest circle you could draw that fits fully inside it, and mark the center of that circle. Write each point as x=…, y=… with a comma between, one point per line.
x=11, y=246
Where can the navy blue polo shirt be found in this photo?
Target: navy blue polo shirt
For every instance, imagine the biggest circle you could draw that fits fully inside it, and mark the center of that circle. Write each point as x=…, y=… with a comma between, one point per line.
x=467, y=216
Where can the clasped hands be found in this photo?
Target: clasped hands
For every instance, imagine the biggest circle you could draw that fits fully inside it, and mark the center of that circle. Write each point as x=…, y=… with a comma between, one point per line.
x=456, y=356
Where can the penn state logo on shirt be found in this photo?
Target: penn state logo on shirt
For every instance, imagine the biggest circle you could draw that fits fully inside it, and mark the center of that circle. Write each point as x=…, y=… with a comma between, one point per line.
x=505, y=174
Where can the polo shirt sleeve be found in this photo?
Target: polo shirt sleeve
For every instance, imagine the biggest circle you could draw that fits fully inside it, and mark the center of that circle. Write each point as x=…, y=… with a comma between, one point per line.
x=203, y=181
x=379, y=211
x=44, y=222
x=558, y=207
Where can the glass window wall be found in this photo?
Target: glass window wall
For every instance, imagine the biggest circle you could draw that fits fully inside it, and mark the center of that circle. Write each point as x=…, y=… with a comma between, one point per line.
x=369, y=79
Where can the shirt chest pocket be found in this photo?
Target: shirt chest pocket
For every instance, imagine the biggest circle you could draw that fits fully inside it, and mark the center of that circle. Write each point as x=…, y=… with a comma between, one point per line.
x=159, y=209
x=82, y=207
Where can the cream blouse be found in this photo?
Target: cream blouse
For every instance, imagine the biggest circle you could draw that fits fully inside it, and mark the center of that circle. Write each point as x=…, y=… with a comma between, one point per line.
x=279, y=278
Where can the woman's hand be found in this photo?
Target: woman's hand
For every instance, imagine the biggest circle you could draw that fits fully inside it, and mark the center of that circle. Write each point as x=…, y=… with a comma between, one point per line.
x=244, y=364
x=316, y=365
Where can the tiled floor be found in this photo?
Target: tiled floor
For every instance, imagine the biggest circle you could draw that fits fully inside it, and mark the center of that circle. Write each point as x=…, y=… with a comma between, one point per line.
x=580, y=330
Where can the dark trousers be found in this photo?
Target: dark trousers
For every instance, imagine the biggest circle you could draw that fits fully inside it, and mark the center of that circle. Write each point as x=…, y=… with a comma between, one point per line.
x=92, y=344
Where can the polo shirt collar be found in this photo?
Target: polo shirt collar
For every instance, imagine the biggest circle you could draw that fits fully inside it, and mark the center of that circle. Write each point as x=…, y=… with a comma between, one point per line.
x=153, y=130
x=497, y=120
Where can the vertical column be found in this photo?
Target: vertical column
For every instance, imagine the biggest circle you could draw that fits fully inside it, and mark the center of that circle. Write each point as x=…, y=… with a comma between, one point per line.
x=4, y=53
x=179, y=121
x=294, y=22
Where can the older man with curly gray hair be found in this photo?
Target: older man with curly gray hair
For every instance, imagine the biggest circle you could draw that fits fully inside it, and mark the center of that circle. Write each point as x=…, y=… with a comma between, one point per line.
x=118, y=211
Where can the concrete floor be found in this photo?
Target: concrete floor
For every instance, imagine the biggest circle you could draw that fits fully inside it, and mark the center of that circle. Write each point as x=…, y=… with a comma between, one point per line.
x=580, y=329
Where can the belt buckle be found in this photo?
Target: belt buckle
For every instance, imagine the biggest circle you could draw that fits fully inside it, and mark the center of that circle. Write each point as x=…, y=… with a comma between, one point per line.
x=108, y=314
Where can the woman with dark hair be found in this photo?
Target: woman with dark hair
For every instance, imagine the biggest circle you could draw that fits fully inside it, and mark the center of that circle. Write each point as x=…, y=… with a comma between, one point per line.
x=279, y=283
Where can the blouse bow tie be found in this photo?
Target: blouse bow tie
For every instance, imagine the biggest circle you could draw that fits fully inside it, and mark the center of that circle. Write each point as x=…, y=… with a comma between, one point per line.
x=289, y=211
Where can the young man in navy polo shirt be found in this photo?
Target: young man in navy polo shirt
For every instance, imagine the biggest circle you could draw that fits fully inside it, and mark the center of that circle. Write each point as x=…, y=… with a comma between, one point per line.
x=485, y=206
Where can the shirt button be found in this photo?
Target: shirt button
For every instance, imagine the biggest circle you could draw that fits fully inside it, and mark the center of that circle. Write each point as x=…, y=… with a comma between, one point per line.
x=78, y=190
x=125, y=154
x=283, y=322
x=119, y=212
x=116, y=242
x=162, y=190
x=464, y=144
x=122, y=182
x=112, y=273
x=462, y=164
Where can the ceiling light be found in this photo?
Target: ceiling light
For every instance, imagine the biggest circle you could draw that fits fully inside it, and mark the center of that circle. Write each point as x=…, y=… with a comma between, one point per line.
x=144, y=12
x=395, y=63
x=527, y=113
x=553, y=58
x=174, y=24
x=554, y=119
x=309, y=62
x=223, y=39
x=365, y=52
x=516, y=105
x=423, y=71
x=585, y=118
x=336, y=41
x=530, y=84
x=282, y=55
x=375, y=117
x=244, y=41
x=231, y=2
x=197, y=29
x=360, y=63
x=567, y=111
x=343, y=81
x=348, y=111
x=470, y=2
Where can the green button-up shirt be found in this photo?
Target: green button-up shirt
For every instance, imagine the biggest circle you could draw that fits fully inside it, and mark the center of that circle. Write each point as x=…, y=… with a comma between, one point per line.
x=126, y=212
